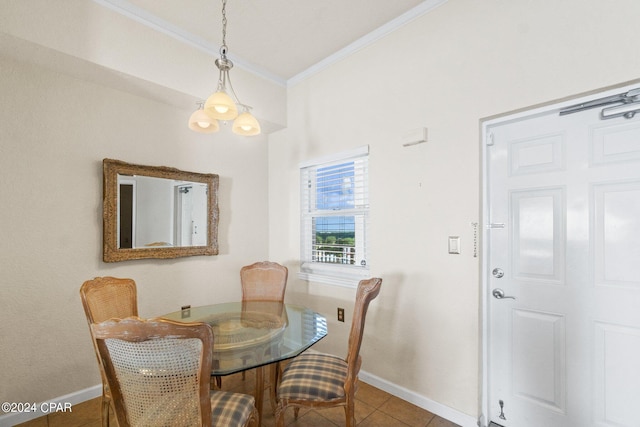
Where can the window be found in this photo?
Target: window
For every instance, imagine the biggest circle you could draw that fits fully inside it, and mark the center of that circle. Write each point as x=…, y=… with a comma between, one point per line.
x=335, y=218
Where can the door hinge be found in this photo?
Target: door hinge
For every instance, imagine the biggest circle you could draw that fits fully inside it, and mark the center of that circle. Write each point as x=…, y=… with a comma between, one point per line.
x=490, y=141
x=495, y=225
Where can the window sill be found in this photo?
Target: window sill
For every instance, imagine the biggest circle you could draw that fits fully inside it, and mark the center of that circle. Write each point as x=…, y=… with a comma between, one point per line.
x=345, y=277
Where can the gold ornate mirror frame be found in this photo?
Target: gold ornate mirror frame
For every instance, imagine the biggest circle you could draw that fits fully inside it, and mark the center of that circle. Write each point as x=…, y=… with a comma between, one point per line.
x=111, y=250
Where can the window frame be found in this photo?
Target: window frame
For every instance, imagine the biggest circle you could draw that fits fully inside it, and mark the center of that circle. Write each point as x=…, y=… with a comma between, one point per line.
x=329, y=273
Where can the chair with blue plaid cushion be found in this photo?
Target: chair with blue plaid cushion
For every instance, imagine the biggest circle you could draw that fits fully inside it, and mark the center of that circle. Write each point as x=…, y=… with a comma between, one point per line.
x=322, y=380
x=158, y=372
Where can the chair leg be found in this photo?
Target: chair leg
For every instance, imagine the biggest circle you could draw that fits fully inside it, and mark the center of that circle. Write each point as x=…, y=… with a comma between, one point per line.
x=280, y=416
x=105, y=411
x=244, y=362
x=349, y=412
x=274, y=377
x=216, y=382
x=217, y=378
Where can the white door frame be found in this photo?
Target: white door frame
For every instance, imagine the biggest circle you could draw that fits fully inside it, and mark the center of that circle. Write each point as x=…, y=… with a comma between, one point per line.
x=485, y=123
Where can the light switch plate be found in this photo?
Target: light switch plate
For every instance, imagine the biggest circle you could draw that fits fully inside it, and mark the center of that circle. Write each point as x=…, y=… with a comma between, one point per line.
x=454, y=244
x=186, y=311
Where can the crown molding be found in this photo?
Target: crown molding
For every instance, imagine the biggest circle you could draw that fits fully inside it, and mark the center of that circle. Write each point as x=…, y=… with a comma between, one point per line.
x=367, y=40
x=143, y=17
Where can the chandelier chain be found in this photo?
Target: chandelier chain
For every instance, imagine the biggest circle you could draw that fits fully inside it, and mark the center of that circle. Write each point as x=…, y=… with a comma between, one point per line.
x=224, y=26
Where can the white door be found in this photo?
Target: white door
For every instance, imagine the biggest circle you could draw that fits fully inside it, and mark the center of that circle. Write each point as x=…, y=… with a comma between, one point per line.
x=563, y=239
x=199, y=215
x=191, y=214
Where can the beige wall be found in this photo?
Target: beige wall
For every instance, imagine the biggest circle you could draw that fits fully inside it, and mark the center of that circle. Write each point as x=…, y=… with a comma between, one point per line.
x=464, y=61
x=54, y=132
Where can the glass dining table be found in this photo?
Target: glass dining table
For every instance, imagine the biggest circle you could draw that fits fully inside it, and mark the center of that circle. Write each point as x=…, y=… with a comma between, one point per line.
x=254, y=334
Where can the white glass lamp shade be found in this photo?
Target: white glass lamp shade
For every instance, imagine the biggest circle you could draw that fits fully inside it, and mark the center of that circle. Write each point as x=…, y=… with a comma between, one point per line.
x=246, y=125
x=202, y=122
x=220, y=106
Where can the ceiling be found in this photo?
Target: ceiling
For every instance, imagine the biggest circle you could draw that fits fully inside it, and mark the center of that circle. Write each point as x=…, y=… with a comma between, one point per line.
x=278, y=39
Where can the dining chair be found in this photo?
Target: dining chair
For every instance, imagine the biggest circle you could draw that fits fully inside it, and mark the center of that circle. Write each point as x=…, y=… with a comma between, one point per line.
x=263, y=281
x=323, y=380
x=104, y=298
x=158, y=372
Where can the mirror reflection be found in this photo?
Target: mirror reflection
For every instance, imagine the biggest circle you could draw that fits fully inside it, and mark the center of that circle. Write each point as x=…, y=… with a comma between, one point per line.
x=158, y=212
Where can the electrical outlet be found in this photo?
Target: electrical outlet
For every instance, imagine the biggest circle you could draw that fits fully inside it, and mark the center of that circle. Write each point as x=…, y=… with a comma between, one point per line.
x=186, y=311
x=340, y=314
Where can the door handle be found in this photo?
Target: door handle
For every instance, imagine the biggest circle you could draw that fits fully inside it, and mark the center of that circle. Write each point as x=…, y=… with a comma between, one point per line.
x=499, y=294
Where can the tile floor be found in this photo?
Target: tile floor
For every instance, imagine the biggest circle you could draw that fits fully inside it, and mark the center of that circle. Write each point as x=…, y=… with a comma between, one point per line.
x=374, y=408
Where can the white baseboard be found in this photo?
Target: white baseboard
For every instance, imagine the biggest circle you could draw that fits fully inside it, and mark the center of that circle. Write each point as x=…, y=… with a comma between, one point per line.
x=439, y=409
x=44, y=408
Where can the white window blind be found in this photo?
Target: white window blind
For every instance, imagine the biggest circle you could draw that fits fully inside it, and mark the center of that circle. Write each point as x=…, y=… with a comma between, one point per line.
x=335, y=218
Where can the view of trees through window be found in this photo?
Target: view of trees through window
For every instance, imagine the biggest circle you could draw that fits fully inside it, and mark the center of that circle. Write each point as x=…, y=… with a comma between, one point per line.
x=335, y=240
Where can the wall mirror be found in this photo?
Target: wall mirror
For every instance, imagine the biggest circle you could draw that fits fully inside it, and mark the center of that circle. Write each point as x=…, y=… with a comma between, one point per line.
x=158, y=212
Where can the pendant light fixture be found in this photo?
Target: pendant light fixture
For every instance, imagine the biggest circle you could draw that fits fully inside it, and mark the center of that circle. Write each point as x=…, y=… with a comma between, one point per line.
x=201, y=122
x=220, y=105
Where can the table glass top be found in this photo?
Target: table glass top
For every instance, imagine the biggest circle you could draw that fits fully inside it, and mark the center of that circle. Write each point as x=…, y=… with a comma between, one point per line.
x=254, y=333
